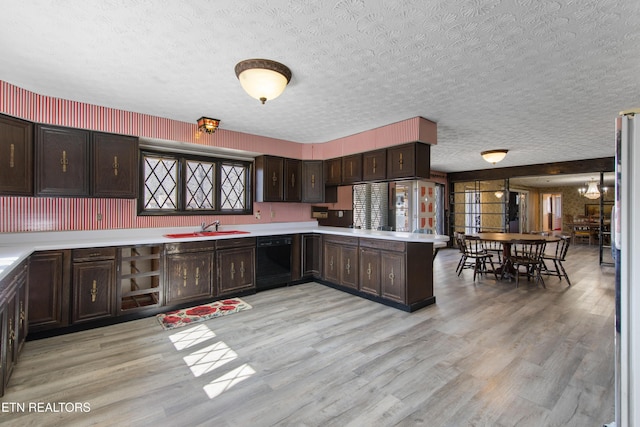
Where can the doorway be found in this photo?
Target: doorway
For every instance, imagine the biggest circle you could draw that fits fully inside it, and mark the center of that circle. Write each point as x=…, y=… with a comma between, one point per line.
x=518, y=215
x=551, y=212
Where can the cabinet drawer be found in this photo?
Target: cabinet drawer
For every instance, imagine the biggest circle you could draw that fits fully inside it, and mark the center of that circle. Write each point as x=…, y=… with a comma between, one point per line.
x=387, y=245
x=236, y=243
x=341, y=240
x=175, y=248
x=93, y=254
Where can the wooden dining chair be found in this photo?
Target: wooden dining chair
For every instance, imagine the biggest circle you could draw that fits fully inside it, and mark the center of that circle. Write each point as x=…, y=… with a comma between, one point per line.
x=556, y=254
x=475, y=256
x=494, y=247
x=528, y=254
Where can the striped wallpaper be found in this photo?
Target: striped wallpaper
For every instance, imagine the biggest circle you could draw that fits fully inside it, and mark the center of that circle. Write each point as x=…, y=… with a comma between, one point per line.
x=22, y=214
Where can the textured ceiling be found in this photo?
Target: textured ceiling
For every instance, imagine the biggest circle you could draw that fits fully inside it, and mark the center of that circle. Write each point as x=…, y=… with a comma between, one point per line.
x=544, y=79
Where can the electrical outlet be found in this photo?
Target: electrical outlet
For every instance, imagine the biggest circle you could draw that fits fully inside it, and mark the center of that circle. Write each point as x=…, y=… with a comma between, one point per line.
x=273, y=214
x=258, y=215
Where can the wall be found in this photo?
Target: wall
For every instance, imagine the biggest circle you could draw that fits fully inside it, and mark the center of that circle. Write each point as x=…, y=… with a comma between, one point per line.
x=60, y=214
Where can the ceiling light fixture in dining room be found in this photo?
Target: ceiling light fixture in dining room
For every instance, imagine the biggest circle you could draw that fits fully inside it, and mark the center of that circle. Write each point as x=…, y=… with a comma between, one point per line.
x=494, y=156
x=499, y=194
x=208, y=125
x=263, y=79
x=591, y=192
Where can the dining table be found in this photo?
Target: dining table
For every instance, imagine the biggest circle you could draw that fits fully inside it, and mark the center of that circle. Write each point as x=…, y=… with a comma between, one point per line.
x=507, y=240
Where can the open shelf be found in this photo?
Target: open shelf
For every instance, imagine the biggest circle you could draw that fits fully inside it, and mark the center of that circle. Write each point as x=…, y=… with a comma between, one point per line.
x=140, y=277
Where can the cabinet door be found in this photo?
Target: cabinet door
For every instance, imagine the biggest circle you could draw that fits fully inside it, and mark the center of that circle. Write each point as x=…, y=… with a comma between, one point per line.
x=49, y=290
x=369, y=271
x=349, y=266
x=22, y=325
x=189, y=277
x=409, y=161
x=333, y=171
x=10, y=350
x=331, y=262
x=311, y=255
x=312, y=181
x=114, y=165
x=374, y=165
x=93, y=290
x=292, y=180
x=62, y=161
x=269, y=185
x=393, y=276
x=236, y=270
x=16, y=157
x=352, y=169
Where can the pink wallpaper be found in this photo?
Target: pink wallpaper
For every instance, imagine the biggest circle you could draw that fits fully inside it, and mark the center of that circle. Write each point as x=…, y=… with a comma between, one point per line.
x=18, y=214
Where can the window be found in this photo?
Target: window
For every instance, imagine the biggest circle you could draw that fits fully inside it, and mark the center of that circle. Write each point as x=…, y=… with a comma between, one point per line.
x=186, y=184
x=370, y=205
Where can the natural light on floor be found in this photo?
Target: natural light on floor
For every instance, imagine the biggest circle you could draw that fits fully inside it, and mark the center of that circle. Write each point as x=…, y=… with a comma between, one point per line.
x=210, y=358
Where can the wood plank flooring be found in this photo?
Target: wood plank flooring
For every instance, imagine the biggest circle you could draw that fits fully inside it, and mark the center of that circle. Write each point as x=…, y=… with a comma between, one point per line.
x=486, y=354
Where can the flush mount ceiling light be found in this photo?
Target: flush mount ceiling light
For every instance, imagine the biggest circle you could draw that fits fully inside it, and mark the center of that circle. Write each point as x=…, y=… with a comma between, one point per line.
x=263, y=79
x=205, y=124
x=499, y=194
x=494, y=156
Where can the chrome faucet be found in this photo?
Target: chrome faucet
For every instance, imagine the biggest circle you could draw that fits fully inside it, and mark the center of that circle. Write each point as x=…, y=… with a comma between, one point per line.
x=205, y=226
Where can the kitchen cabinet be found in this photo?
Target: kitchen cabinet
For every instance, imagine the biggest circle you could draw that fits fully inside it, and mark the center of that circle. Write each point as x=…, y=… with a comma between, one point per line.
x=13, y=313
x=392, y=277
x=369, y=271
x=93, y=286
x=333, y=171
x=352, y=169
x=189, y=271
x=269, y=183
x=114, y=165
x=292, y=180
x=311, y=255
x=341, y=261
x=16, y=157
x=312, y=181
x=62, y=162
x=374, y=165
x=408, y=161
x=140, y=275
x=235, y=260
x=49, y=285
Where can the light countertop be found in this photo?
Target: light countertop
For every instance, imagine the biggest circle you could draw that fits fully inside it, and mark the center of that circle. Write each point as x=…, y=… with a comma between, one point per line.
x=15, y=247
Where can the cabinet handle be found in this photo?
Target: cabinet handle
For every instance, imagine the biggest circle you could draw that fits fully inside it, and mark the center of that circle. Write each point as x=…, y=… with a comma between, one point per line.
x=12, y=333
x=331, y=263
x=23, y=315
x=274, y=179
x=401, y=161
x=184, y=277
x=293, y=180
x=115, y=165
x=12, y=151
x=392, y=276
x=64, y=161
x=374, y=165
x=331, y=170
x=351, y=168
x=233, y=270
x=369, y=271
x=94, y=291
x=197, y=275
x=313, y=180
x=348, y=266
x=242, y=269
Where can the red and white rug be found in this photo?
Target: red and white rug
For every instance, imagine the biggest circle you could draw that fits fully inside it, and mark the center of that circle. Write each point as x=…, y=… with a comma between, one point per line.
x=186, y=316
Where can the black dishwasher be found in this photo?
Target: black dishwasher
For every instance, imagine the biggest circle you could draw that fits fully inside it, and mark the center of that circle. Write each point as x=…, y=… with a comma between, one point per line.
x=273, y=261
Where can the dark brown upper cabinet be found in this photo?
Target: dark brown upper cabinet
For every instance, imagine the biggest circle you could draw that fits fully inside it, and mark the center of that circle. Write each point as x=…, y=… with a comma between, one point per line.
x=292, y=180
x=16, y=157
x=114, y=165
x=352, y=168
x=312, y=181
x=408, y=161
x=62, y=161
x=333, y=171
x=269, y=185
x=374, y=165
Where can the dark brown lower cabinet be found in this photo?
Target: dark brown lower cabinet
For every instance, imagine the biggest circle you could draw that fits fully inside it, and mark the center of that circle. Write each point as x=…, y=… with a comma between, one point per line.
x=235, y=259
x=49, y=290
x=341, y=261
x=189, y=271
x=331, y=261
x=370, y=271
x=93, y=284
x=392, y=276
x=311, y=255
x=13, y=321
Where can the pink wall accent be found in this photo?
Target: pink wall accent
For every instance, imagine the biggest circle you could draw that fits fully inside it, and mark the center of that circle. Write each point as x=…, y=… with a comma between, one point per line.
x=21, y=214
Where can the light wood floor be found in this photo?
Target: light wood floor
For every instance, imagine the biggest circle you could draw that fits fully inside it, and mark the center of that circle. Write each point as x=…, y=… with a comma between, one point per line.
x=486, y=354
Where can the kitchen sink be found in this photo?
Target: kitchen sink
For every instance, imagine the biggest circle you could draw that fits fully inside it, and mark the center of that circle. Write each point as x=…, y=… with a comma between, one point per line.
x=205, y=234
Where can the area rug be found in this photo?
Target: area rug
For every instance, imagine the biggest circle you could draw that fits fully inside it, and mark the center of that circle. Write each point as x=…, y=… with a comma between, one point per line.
x=186, y=316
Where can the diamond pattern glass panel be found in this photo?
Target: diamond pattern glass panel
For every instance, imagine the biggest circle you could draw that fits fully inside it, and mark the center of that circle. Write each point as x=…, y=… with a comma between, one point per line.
x=160, y=183
x=233, y=183
x=200, y=185
x=370, y=205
